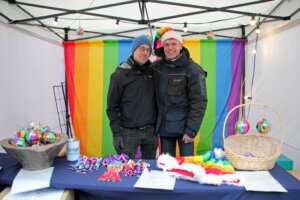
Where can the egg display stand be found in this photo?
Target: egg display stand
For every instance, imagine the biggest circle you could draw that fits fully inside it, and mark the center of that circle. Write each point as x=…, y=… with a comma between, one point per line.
x=266, y=148
x=35, y=158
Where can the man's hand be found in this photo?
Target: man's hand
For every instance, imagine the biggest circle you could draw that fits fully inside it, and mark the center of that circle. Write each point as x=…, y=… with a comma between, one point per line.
x=118, y=144
x=187, y=139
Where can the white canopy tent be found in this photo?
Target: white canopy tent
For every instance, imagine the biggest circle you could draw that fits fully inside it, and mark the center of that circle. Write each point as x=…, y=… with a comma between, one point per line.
x=226, y=19
x=33, y=59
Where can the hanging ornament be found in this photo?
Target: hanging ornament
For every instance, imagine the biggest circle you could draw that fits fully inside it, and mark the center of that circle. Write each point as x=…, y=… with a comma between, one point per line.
x=79, y=30
x=150, y=38
x=263, y=126
x=210, y=35
x=242, y=126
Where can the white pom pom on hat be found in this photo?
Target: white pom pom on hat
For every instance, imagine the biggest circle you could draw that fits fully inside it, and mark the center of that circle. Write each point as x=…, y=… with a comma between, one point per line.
x=171, y=34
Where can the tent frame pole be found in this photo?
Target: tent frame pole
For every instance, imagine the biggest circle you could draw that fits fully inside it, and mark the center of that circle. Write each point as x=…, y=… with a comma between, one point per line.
x=66, y=91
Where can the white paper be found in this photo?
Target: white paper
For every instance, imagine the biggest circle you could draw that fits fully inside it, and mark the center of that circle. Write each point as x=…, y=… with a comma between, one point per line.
x=31, y=180
x=261, y=181
x=42, y=194
x=155, y=179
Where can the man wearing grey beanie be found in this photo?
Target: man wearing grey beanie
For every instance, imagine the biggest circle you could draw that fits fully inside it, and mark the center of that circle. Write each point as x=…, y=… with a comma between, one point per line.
x=131, y=106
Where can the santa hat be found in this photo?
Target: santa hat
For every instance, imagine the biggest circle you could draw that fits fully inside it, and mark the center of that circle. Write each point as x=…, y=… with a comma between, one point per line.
x=171, y=34
x=211, y=175
x=166, y=33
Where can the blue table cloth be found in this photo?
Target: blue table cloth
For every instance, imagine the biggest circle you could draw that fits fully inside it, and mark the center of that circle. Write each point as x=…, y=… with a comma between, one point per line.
x=87, y=186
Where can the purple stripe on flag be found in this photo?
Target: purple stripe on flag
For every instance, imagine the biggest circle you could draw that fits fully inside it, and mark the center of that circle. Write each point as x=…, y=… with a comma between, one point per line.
x=237, y=61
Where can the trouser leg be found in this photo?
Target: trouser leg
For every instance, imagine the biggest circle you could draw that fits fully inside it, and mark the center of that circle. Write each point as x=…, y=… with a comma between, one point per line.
x=186, y=149
x=131, y=140
x=149, y=143
x=168, y=145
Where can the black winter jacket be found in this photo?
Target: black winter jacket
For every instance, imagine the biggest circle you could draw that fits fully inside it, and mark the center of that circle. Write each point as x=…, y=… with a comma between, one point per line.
x=181, y=95
x=131, y=97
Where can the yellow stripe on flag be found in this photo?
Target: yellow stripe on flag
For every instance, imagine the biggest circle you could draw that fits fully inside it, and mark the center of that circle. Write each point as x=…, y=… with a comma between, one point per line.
x=194, y=48
x=95, y=99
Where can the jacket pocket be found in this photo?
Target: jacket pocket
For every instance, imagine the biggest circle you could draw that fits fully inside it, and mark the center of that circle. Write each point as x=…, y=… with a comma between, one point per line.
x=176, y=89
x=176, y=85
x=175, y=123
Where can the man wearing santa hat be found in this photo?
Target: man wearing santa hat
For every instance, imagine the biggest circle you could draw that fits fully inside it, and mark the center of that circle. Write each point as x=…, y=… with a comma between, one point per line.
x=180, y=94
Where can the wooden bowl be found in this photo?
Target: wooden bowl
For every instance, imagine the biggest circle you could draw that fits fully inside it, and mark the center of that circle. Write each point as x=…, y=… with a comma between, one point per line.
x=35, y=158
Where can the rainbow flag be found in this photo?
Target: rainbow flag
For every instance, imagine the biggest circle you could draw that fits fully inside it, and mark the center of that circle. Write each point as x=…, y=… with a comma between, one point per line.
x=89, y=65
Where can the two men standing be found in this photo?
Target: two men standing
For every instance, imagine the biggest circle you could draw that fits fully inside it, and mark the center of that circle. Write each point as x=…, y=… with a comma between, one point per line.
x=179, y=96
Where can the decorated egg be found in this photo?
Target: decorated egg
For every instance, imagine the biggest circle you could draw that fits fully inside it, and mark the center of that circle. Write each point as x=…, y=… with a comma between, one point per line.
x=18, y=142
x=44, y=129
x=210, y=36
x=263, y=126
x=21, y=132
x=242, y=126
x=32, y=125
x=33, y=137
x=49, y=137
x=12, y=137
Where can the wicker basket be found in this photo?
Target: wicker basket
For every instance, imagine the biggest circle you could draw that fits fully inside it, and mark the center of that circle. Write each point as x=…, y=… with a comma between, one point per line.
x=266, y=148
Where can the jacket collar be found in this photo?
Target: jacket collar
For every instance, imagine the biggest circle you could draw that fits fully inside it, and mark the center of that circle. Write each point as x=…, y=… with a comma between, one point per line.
x=133, y=66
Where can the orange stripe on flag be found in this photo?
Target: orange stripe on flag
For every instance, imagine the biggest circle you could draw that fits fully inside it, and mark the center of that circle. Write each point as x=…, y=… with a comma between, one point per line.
x=81, y=73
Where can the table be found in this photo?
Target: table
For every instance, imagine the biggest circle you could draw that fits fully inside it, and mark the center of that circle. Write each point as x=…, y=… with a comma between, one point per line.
x=87, y=186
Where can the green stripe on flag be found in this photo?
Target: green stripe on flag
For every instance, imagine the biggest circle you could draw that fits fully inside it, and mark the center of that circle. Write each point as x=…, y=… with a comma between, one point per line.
x=208, y=62
x=110, y=54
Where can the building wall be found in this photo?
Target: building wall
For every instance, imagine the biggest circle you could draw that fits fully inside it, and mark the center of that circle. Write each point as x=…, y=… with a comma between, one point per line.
x=276, y=82
x=30, y=67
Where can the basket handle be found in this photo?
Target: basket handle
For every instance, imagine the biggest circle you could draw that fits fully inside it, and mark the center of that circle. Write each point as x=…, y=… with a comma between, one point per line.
x=255, y=104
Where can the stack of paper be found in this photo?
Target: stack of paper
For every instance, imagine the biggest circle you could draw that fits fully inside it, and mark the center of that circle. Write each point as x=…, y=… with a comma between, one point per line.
x=29, y=185
x=155, y=179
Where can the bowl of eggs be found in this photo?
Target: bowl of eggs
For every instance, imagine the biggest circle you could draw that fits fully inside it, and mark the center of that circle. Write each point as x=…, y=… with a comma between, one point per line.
x=34, y=146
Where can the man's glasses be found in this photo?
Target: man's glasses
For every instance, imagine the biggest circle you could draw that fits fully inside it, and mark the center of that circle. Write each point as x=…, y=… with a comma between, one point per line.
x=141, y=48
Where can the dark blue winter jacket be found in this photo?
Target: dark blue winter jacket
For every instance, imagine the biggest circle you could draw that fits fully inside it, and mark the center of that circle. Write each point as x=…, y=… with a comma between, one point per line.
x=181, y=95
